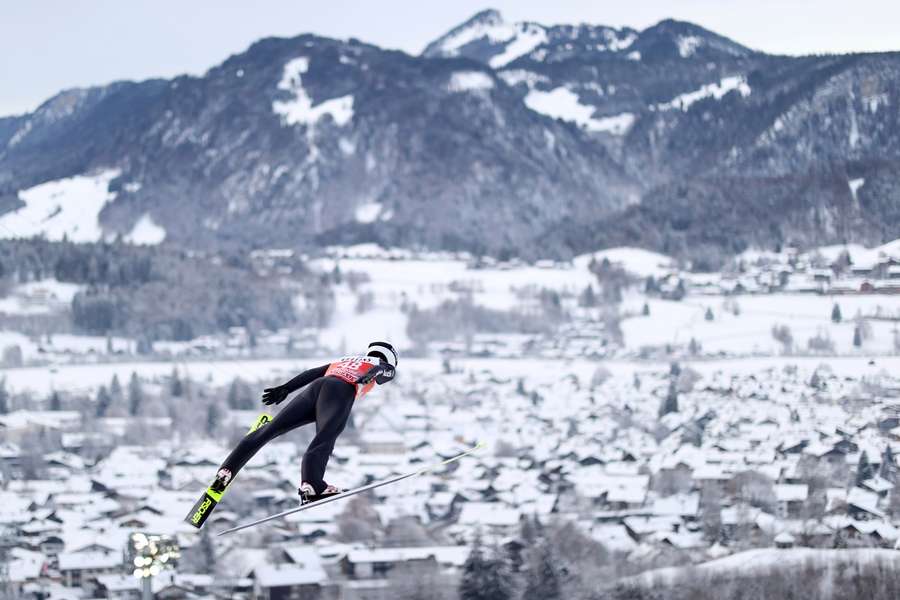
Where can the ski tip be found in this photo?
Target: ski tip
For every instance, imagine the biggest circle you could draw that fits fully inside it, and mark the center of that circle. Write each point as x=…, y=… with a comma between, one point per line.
x=481, y=444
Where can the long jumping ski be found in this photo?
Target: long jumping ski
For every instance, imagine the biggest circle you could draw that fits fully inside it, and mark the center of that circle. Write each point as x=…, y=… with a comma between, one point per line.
x=213, y=494
x=356, y=491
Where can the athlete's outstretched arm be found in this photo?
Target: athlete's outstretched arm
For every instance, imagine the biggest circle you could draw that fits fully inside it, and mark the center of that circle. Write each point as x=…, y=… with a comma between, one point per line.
x=274, y=395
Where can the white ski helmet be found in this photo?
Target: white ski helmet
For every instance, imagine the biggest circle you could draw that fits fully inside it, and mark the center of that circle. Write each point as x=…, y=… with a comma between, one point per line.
x=383, y=350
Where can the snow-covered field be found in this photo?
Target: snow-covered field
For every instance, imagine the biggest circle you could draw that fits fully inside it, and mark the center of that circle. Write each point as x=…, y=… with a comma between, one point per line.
x=67, y=207
x=750, y=331
x=379, y=286
x=38, y=297
x=563, y=103
x=427, y=283
x=740, y=325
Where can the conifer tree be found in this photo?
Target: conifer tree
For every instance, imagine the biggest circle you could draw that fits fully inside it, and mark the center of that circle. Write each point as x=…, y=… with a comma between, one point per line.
x=213, y=418
x=542, y=579
x=176, y=388
x=888, y=469
x=894, y=500
x=103, y=401
x=863, y=469
x=135, y=394
x=588, y=298
x=670, y=403
x=239, y=395
x=484, y=578
x=115, y=389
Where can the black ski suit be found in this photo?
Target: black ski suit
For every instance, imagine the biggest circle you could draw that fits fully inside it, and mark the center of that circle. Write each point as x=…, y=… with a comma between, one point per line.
x=326, y=401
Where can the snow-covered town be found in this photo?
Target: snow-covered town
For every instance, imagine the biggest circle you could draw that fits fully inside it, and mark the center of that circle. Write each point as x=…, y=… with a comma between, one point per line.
x=656, y=466
x=687, y=439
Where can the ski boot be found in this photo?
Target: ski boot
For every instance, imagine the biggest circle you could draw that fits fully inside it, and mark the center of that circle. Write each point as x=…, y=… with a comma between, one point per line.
x=223, y=478
x=308, y=493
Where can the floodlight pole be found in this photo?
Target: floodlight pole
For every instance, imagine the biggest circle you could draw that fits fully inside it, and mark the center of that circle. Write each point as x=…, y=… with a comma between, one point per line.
x=147, y=589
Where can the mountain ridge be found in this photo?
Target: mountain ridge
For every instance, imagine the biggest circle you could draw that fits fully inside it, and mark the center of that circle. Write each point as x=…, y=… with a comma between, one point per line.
x=563, y=148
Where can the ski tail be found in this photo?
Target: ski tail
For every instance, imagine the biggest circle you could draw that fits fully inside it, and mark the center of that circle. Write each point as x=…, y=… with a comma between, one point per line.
x=201, y=510
x=204, y=507
x=359, y=490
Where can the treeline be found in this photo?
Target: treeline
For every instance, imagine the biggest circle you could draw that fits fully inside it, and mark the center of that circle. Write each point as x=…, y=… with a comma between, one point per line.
x=155, y=293
x=100, y=264
x=552, y=561
x=462, y=318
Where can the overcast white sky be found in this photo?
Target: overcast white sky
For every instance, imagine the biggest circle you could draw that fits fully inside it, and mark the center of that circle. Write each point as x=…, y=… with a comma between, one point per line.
x=50, y=45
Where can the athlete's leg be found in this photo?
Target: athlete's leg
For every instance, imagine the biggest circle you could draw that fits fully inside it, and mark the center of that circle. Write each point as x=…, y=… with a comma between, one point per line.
x=332, y=411
x=300, y=411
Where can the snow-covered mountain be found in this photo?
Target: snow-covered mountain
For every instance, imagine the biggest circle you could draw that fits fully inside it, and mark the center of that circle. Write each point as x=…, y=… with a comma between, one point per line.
x=488, y=38
x=502, y=138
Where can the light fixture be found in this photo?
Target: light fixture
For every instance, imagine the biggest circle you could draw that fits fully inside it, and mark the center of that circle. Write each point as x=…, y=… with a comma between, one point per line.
x=151, y=553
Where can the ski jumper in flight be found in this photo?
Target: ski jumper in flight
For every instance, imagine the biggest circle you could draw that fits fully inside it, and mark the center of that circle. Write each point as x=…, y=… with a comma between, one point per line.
x=326, y=401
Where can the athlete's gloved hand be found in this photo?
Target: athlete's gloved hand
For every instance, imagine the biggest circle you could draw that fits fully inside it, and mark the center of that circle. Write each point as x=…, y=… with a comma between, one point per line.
x=274, y=395
x=381, y=374
x=385, y=376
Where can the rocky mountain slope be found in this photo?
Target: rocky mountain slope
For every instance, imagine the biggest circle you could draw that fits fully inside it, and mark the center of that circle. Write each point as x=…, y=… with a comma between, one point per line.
x=502, y=138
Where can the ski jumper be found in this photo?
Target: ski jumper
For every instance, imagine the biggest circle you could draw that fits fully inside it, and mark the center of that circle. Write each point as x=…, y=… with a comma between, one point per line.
x=326, y=401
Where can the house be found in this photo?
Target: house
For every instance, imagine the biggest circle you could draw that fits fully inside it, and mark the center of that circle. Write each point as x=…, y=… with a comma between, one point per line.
x=60, y=465
x=23, y=567
x=863, y=505
x=710, y=477
x=118, y=587
x=686, y=506
x=379, y=562
x=170, y=585
x=865, y=533
x=880, y=486
x=52, y=545
x=491, y=517
x=441, y=505
x=789, y=499
x=288, y=582
x=614, y=537
x=613, y=490
x=682, y=540
x=641, y=528
x=626, y=491
x=11, y=459
x=20, y=422
x=77, y=442
x=78, y=568
x=784, y=540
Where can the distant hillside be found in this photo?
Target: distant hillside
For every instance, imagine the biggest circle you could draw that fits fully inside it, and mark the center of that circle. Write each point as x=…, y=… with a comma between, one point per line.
x=773, y=574
x=502, y=138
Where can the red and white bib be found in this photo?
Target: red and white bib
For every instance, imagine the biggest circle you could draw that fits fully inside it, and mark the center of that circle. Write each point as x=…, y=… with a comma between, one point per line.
x=351, y=369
